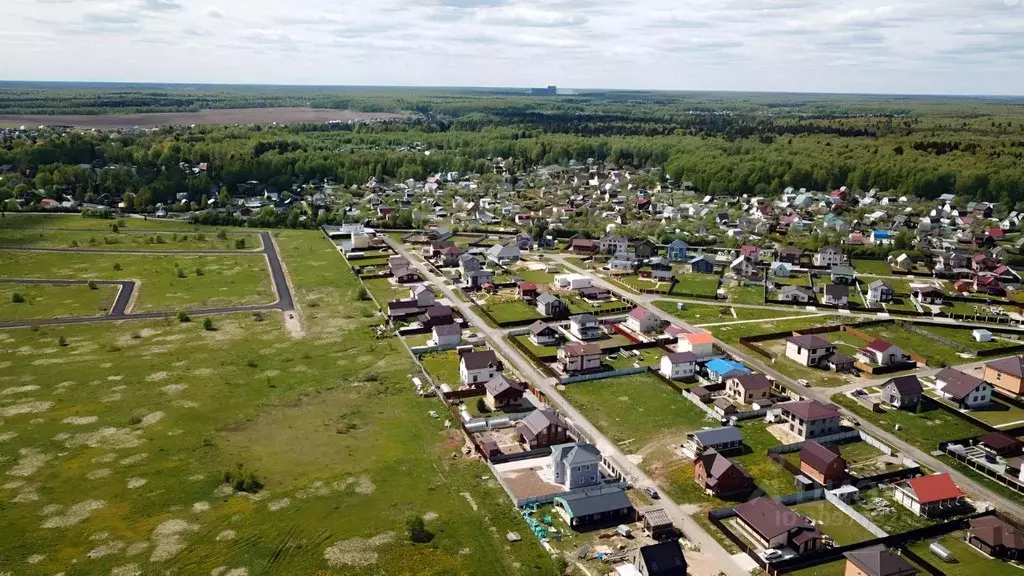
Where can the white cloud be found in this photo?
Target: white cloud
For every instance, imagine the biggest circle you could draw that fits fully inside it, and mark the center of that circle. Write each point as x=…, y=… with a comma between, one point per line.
x=936, y=46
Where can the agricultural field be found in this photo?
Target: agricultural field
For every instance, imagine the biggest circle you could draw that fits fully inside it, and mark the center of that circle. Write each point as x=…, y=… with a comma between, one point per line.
x=38, y=220
x=48, y=301
x=115, y=448
x=168, y=283
x=127, y=241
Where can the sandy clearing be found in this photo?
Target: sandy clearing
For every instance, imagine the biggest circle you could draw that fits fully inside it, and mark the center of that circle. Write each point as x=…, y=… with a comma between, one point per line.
x=174, y=388
x=80, y=420
x=169, y=539
x=75, y=514
x=97, y=474
x=26, y=408
x=156, y=377
x=200, y=507
x=223, y=490
x=31, y=461
x=28, y=494
x=151, y=418
x=279, y=504
x=136, y=548
x=226, y=535
x=134, y=459
x=109, y=437
x=104, y=459
x=134, y=483
x=430, y=516
x=106, y=549
x=356, y=551
x=364, y=486
x=35, y=558
x=5, y=436
x=126, y=570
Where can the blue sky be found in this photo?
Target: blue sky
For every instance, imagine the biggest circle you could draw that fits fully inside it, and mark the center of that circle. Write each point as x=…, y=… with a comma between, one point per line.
x=876, y=46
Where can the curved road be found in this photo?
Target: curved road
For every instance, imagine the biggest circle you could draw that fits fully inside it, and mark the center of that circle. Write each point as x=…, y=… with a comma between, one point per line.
x=119, y=311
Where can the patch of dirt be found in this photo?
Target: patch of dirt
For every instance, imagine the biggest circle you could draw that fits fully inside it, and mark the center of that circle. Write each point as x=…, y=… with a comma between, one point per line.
x=80, y=420
x=106, y=549
x=174, y=388
x=356, y=551
x=169, y=539
x=134, y=483
x=126, y=570
x=472, y=502
x=136, y=548
x=25, y=408
x=199, y=507
x=151, y=418
x=31, y=461
x=226, y=535
x=74, y=515
x=134, y=459
x=97, y=474
x=156, y=377
x=279, y=504
x=5, y=436
x=110, y=438
x=364, y=486
x=19, y=390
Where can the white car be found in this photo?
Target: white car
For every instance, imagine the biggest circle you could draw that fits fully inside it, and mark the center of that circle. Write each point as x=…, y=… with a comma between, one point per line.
x=771, y=554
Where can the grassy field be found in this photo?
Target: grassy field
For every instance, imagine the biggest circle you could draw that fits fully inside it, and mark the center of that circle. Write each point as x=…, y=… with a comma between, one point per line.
x=115, y=448
x=746, y=295
x=699, y=284
x=443, y=367
x=578, y=305
x=834, y=522
x=511, y=310
x=714, y=314
x=896, y=519
x=538, y=350
x=732, y=334
x=837, y=568
x=108, y=240
x=637, y=408
x=648, y=357
x=964, y=338
x=969, y=560
x=204, y=282
x=932, y=351
x=924, y=429
x=770, y=477
x=78, y=222
x=874, y=267
x=45, y=301
x=384, y=291
x=998, y=413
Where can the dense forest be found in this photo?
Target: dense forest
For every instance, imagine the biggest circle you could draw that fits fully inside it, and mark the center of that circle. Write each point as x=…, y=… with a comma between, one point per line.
x=725, y=144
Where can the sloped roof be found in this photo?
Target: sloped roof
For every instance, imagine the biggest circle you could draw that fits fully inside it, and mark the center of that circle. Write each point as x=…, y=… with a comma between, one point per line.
x=582, y=349
x=810, y=341
x=447, y=329
x=880, y=561
x=663, y=559
x=479, y=359
x=934, y=488
x=594, y=502
x=547, y=298
x=500, y=384
x=717, y=466
x=906, y=385
x=837, y=290
x=640, y=313
x=811, y=409
x=958, y=384
x=754, y=382
x=878, y=345
x=819, y=457
x=577, y=454
x=699, y=338
x=541, y=418
x=995, y=532
x=1013, y=366
x=718, y=436
x=769, y=518
x=682, y=357
x=584, y=319
x=539, y=327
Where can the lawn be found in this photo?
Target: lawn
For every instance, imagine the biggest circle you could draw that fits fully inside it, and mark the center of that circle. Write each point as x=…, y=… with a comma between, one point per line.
x=443, y=367
x=698, y=284
x=539, y=277
x=797, y=371
x=931, y=350
x=963, y=337
x=203, y=282
x=510, y=310
x=117, y=445
x=78, y=222
x=969, y=560
x=732, y=334
x=998, y=413
x=770, y=477
x=833, y=522
x=418, y=339
x=637, y=408
x=648, y=357
x=108, y=240
x=369, y=262
x=924, y=429
x=48, y=301
x=746, y=295
x=541, y=351
x=613, y=340
x=578, y=305
x=712, y=314
x=872, y=267
x=384, y=291
x=837, y=568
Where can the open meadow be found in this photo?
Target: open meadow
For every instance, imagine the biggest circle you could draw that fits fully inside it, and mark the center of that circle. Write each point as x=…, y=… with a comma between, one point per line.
x=49, y=301
x=116, y=440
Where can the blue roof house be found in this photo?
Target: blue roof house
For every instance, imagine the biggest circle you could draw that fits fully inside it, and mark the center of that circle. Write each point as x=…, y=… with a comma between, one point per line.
x=677, y=251
x=881, y=237
x=720, y=370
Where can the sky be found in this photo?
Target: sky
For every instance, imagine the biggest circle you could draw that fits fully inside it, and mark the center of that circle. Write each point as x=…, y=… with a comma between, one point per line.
x=845, y=46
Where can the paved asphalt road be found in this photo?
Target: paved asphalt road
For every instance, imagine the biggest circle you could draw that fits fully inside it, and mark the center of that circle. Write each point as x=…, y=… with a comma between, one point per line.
x=1012, y=507
x=718, y=556
x=119, y=311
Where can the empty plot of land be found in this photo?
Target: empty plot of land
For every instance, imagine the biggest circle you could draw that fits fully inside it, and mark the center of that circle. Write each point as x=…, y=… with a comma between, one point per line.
x=32, y=301
x=155, y=240
x=222, y=116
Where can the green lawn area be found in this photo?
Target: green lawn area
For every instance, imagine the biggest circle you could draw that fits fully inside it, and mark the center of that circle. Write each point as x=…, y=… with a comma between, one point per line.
x=443, y=367
x=613, y=340
x=989, y=483
x=207, y=282
x=834, y=522
x=998, y=413
x=124, y=435
x=798, y=280
x=579, y=306
x=714, y=314
x=418, y=339
x=875, y=267
x=860, y=458
x=732, y=334
x=46, y=301
x=510, y=310
x=746, y=295
x=933, y=352
x=539, y=277
x=109, y=240
x=969, y=560
x=770, y=477
x=538, y=350
x=698, y=284
x=384, y=291
x=79, y=222
x=924, y=429
x=369, y=262
x=837, y=568
x=638, y=408
x=784, y=364
x=648, y=357
x=894, y=518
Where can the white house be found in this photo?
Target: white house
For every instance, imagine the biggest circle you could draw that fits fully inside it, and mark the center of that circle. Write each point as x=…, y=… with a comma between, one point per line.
x=504, y=255
x=743, y=266
x=930, y=496
x=837, y=294
x=969, y=392
x=572, y=281
x=809, y=350
x=679, y=365
x=643, y=321
x=879, y=291
x=542, y=334
x=881, y=353
x=476, y=368
x=575, y=465
x=612, y=244
x=585, y=327
x=827, y=257
x=446, y=335
x=423, y=296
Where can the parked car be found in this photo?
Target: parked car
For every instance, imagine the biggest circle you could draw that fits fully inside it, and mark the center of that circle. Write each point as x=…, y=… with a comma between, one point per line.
x=652, y=492
x=771, y=554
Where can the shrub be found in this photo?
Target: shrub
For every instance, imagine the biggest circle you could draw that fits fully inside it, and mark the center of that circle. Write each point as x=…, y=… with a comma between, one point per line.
x=17, y=298
x=180, y=272
x=117, y=265
x=418, y=533
x=239, y=243
x=93, y=240
x=201, y=237
x=62, y=341
x=115, y=228
x=481, y=406
x=258, y=316
x=199, y=271
x=222, y=235
x=74, y=243
x=135, y=420
x=252, y=363
x=92, y=285
x=160, y=239
x=208, y=325
x=183, y=317
x=362, y=294
x=243, y=480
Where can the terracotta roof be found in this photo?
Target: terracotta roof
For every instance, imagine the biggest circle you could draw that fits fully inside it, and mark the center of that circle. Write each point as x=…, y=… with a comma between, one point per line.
x=699, y=338
x=639, y=313
x=1013, y=366
x=934, y=488
x=878, y=345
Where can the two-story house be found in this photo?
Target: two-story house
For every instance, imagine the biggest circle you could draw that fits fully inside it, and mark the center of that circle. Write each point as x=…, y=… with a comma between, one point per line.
x=809, y=350
x=575, y=465
x=585, y=327
x=903, y=392
x=810, y=419
x=827, y=257
x=579, y=357
x=477, y=367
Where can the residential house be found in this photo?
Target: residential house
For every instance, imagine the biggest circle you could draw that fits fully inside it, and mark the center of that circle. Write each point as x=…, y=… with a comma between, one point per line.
x=791, y=255
x=642, y=320
x=679, y=365
x=721, y=477
x=661, y=559
x=1006, y=374
x=543, y=334
x=843, y=275
x=809, y=350
x=722, y=440
x=677, y=251
x=882, y=353
x=437, y=315
x=645, y=249
x=798, y=294
x=781, y=269
x=612, y=244
x=837, y=295
x=595, y=294
x=623, y=262
x=584, y=247
x=422, y=295
x=551, y=306
x=954, y=260
x=743, y=267
x=542, y=428
x=827, y=257
x=578, y=357
x=720, y=370
x=930, y=496
x=701, y=343
x=478, y=278
x=772, y=525
x=967, y=391
x=748, y=389
x=881, y=237
x=903, y=392
x=903, y=263
x=702, y=265
x=877, y=560
x=526, y=290
x=477, y=367
x=880, y=292
x=824, y=464
x=503, y=394
x=1001, y=445
x=929, y=295
x=585, y=327
x=604, y=505
x=753, y=253
x=446, y=335
x=810, y=419
x=469, y=263
x=996, y=537
x=504, y=254
x=575, y=465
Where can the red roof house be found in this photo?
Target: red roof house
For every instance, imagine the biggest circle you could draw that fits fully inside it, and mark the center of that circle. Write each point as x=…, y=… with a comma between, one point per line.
x=930, y=496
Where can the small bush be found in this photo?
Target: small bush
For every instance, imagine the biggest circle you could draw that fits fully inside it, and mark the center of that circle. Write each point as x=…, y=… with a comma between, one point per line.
x=117, y=265
x=62, y=341
x=183, y=317
x=74, y=243
x=258, y=316
x=418, y=533
x=243, y=480
x=201, y=237
x=222, y=235
x=92, y=285
x=481, y=406
x=240, y=244
x=160, y=239
x=208, y=325
x=180, y=272
x=362, y=294
x=93, y=240
x=17, y=298
x=115, y=228
x=252, y=364
x=135, y=420
x=199, y=271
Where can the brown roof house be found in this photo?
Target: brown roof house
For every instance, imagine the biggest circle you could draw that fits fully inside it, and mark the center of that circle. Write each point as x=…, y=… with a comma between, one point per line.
x=502, y=393
x=824, y=464
x=810, y=419
x=772, y=525
x=579, y=358
x=1007, y=374
x=997, y=538
x=721, y=477
x=809, y=350
x=542, y=428
x=748, y=389
x=903, y=392
x=478, y=367
x=969, y=392
x=877, y=561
